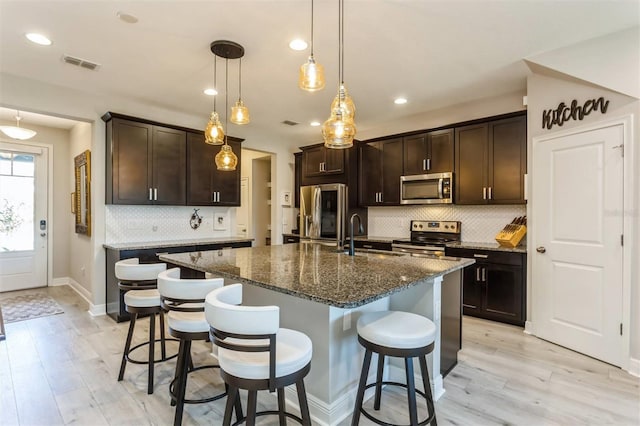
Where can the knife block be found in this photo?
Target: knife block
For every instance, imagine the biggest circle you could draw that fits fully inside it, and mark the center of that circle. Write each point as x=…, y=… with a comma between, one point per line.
x=511, y=235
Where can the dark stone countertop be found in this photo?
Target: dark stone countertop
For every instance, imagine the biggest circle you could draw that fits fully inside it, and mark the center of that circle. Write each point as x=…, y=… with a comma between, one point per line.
x=174, y=243
x=487, y=246
x=320, y=273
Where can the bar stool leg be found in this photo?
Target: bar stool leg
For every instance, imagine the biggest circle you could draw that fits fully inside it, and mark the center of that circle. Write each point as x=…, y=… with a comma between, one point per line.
x=281, y=408
x=355, y=419
x=251, y=407
x=182, y=382
x=427, y=389
x=232, y=396
x=376, y=405
x=127, y=346
x=163, y=345
x=302, y=400
x=152, y=351
x=411, y=391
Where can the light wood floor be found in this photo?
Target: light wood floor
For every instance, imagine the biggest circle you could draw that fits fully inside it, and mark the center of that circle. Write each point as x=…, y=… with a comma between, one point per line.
x=62, y=369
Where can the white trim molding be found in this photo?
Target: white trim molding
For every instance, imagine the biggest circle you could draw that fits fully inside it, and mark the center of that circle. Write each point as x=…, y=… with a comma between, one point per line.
x=94, y=310
x=634, y=367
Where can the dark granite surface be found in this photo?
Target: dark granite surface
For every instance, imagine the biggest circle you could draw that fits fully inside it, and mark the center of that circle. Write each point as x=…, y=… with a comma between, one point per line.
x=488, y=246
x=174, y=243
x=319, y=273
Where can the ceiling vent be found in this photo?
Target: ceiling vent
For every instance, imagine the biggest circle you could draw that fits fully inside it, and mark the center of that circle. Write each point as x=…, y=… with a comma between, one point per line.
x=290, y=123
x=83, y=63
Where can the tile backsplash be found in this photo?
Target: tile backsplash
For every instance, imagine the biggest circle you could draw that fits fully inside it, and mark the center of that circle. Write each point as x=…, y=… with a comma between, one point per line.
x=165, y=223
x=479, y=223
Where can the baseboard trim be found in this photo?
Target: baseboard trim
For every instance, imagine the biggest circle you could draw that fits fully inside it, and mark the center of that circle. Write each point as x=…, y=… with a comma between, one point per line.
x=634, y=367
x=94, y=310
x=528, y=328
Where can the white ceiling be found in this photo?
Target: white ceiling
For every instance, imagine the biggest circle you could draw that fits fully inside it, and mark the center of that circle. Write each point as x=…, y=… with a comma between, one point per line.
x=435, y=53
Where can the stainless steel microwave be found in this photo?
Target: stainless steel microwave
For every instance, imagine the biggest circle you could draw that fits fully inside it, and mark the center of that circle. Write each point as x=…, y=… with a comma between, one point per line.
x=435, y=188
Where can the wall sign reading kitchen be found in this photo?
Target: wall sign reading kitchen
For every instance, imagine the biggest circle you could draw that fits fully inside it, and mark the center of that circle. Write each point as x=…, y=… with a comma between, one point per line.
x=574, y=111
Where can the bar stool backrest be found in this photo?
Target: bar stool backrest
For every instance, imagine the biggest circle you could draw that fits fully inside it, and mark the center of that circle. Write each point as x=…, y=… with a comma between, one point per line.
x=185, y=295
x=134, y=271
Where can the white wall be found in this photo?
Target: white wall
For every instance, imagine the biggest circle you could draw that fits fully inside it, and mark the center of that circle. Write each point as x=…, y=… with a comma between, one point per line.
x=261, y=223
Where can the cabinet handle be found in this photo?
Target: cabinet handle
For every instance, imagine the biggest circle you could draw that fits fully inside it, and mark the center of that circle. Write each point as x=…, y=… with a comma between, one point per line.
x=490, y=193
x=481, y=256
x=424, y=164
x=213, y=197
x=162, y=253
x=484, y=275
x=428, y=163
x=484, y=192
x=155, y=194
x=477, y=274
x=150, y=194
x=369, y=246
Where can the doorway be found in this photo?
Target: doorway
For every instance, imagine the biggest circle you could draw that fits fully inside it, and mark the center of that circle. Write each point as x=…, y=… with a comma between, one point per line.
x=23, y=216
x=578, y=302
x=256, y=194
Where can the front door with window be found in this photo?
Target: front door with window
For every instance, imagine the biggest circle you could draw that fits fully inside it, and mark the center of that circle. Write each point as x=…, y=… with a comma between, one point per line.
x=23, y=216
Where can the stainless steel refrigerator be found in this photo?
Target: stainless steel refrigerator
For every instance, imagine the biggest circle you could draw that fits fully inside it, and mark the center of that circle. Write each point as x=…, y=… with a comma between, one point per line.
x=323, y=212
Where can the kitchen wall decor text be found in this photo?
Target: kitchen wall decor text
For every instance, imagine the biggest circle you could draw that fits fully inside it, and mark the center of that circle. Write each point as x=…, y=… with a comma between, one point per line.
x=573, y=112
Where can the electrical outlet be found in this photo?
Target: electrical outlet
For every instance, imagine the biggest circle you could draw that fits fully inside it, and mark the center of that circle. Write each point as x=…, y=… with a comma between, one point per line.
x=154, y=228
x=346, y=320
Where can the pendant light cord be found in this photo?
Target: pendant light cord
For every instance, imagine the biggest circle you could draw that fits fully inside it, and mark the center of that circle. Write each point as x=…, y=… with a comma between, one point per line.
x=311, y=28
x=341, y=37
x=240, y=81
x=226, y=99
x=215, y=85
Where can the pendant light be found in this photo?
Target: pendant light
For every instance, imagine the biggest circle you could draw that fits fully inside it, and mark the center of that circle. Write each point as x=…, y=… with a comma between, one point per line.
x=214, y=133
x=340, y=129
x=239, y=112
x=311, y=76
x=17, y=132
x=226, y=160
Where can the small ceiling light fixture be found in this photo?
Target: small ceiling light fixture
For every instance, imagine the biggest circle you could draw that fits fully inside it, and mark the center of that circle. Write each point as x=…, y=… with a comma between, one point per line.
x=298, y=44
x=38, y=39
x=315, y=123
x=126, y=17
x=340, y=129
x=226, y=160
x=311, y=77
x=239, y=112
x=214, y=133
x=400, y=101
x=17, y=132
x=210, y=92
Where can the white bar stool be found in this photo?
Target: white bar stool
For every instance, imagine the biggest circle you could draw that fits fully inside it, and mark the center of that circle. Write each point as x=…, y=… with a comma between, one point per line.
x=256, y=354
x=184, y=299
x=142, y=298
x=397, y=334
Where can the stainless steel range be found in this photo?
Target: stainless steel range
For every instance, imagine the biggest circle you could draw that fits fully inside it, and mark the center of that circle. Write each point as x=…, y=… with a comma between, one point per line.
x=428, y=237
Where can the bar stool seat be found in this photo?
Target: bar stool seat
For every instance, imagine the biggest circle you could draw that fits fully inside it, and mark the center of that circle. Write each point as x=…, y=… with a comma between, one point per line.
x=396, y=334
x=188, y=322
x=142, y=298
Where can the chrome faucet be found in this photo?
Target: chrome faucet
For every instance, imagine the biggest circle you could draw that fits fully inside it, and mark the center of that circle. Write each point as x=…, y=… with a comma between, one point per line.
x=352, y=248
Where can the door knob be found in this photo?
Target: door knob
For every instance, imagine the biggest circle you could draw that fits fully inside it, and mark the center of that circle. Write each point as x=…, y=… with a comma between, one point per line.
x=541, y=249
x=43, y=234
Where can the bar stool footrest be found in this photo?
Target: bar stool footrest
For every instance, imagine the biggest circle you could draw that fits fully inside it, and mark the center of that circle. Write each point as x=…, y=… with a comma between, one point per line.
x=155, y=361
x=196, y=401
x=402, y=385
x=270, y=413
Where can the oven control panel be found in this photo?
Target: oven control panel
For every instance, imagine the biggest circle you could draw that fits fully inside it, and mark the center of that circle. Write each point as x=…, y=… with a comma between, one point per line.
x=435, y=226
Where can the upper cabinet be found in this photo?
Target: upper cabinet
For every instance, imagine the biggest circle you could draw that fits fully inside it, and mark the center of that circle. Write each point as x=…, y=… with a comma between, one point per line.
x=319, y=161
x=430, y=152
x=491, y=161
x=206, y=185
x=380, y=169
x=297, y=179
x=145, y=163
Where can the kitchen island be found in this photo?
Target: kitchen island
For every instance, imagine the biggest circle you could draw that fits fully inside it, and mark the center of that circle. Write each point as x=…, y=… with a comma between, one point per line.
x=322, y=293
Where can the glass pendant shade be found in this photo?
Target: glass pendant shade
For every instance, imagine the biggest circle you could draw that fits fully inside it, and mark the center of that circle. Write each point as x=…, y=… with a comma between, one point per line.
x=345, y=103
x=214, y=133
x=311, y=76
x=226, y=160
x=338, y=133
x=239, y=113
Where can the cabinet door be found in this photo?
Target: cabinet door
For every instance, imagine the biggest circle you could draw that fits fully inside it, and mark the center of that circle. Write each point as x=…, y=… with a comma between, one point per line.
x=440, y=151
x=227, y=184
x=169, y=166
x=312, y=159
x=415, y=155
x=334, y=160
x=391, y=151
x=504, y=291
x=297, y=179
x=200, y=166
x=370, y=172
x=470, y=164
x=507, y=160
x=131, y=162
x=472, y=290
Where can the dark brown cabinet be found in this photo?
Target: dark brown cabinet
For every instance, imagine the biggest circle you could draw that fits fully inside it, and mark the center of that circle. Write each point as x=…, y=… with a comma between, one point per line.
x=146, y=164
x=320, y=161
x=491, y=161
x=290, y=239
x=206, y=185
x=380, y=169
x=430, y=152
x=495, y=286
x=297, y=179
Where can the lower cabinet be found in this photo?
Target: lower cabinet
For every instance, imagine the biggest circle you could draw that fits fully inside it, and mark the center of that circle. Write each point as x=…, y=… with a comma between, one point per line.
x=290, y=239
x=495, y=286
x=115, y=297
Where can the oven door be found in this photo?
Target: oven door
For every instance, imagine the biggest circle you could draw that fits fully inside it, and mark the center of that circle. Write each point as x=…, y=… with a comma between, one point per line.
x=426, y=189
x=418, y=251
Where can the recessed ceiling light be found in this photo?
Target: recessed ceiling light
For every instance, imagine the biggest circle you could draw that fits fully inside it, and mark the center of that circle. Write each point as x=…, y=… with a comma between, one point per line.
x=400, y=101
x=298, y=44
x=126, y=17
x=38, y=39
x=210, y=92
x=315, y=123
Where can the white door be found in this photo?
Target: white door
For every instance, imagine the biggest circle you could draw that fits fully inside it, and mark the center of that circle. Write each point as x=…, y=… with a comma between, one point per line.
x=578, y=224
x=242, y=212
x=23, y=216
